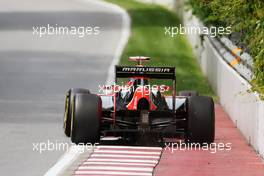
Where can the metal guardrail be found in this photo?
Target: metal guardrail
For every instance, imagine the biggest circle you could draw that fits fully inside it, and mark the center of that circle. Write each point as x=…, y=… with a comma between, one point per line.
x=244, y=57
x=240, y=61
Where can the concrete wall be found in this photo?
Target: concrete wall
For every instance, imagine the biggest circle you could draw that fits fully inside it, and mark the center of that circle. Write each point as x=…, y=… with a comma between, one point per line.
x=244, y=107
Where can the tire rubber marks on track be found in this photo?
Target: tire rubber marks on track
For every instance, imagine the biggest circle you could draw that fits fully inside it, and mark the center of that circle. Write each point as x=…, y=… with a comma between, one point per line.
x=120, y=161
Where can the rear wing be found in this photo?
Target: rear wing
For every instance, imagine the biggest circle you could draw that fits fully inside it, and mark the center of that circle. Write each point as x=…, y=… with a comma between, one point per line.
x=149, y=72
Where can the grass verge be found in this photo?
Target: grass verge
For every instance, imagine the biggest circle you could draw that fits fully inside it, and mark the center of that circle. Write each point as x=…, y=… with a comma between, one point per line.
x=148, y=39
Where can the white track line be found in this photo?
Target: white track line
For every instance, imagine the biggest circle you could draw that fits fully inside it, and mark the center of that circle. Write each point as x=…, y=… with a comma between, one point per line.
x=125, y=33
x=128, y=147
x=123, y=156
x=116, y=168
x=126, y=152
x=123, y=160
x=117, y=163
x=65, y=161
x=122, y=43
x=112, y=173
x=68, y=157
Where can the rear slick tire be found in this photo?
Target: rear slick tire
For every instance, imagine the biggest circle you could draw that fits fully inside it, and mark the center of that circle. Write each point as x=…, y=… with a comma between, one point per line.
x=86, y=114
x=200, y=120
x=68, y=104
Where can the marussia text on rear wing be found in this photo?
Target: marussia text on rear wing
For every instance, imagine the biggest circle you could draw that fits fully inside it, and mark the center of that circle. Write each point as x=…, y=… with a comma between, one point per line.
x=150, y=72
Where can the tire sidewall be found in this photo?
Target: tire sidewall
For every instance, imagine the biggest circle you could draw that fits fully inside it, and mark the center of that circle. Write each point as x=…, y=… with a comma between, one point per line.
x=68, y=107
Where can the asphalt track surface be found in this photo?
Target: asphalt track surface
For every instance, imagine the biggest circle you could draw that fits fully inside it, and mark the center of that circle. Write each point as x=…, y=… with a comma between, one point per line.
x=36, y=72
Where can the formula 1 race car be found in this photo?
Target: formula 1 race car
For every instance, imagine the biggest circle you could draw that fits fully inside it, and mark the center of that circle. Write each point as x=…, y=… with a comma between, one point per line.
x=139, y=108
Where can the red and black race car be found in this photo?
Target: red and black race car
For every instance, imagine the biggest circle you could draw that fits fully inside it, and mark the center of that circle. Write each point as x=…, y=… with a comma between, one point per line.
x=139, y=108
